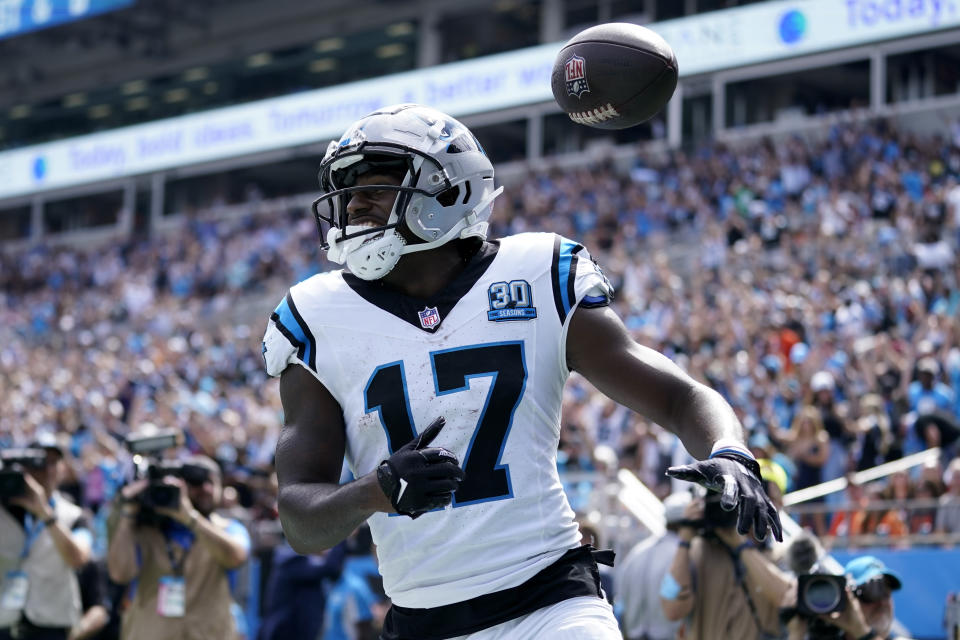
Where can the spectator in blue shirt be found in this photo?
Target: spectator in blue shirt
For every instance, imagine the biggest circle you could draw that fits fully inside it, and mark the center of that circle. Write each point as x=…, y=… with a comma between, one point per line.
x=296, y=592
x=357, y=604
x=926, y=394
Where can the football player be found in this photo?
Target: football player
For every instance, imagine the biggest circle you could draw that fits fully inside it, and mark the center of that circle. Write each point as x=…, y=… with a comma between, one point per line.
x=434, y=364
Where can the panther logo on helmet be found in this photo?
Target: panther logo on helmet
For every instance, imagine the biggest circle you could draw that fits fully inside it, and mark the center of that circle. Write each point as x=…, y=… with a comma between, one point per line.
x=350, y=140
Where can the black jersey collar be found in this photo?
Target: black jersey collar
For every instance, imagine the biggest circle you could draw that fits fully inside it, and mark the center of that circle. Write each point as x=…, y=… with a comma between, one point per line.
x=408, y=308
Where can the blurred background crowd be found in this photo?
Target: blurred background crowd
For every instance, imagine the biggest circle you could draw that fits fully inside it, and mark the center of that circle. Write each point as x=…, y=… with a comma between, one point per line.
x=811, y=280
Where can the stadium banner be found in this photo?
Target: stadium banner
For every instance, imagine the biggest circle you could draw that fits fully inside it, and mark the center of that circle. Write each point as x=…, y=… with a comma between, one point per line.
x=786, y=28
x=707, y=42
x=929, y=574
x=21, y=16
x=474, y=86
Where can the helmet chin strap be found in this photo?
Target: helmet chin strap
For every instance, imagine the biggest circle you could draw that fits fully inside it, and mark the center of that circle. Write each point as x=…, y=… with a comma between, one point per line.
x=369, y=257
x=374, y=255
x=336, y=250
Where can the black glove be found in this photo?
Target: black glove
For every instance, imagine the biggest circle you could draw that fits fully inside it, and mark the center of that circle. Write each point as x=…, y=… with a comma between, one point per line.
x=737, y=478
x=418, y=478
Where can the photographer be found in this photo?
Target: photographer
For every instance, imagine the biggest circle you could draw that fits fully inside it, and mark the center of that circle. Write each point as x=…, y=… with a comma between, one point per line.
x=721, y=581
x=43, y=541
x=180, y=556
x=639, y=576
x=867, y=610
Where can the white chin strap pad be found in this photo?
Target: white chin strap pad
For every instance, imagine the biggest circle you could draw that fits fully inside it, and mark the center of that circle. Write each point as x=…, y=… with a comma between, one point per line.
x=370, y=256
x=336, y=251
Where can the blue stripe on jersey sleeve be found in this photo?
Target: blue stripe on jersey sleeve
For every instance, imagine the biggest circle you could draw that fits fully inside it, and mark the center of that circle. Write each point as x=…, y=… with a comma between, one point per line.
x=567, y=251
x=291, y=324
x=563, y=272
x=563, y=268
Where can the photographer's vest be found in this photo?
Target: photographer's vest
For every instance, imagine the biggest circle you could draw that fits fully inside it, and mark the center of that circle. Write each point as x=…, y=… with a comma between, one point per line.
x=207, y=604
x=720, y=607
x=53, y=595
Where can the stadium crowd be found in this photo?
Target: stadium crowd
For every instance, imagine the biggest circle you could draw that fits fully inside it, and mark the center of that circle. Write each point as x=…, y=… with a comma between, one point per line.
x=812, y=281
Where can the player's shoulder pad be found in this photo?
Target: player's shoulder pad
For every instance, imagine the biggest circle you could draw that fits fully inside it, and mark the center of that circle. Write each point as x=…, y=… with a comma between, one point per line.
x=288, y=337
x=528, y=245
x=577, y=278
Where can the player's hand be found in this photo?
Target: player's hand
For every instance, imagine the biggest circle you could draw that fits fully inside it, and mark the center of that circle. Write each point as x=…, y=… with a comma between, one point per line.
x=737, y=479
x=418, y=478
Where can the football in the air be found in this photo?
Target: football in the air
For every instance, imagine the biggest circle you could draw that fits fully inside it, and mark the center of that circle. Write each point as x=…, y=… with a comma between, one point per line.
x=614, y=75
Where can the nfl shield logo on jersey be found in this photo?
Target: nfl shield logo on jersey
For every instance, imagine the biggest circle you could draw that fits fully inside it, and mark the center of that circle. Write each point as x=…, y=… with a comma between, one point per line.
x=429, y=317
x=575, y=73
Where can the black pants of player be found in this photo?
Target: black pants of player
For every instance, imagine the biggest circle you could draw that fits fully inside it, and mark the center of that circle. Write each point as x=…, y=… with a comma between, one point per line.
x=574, y=574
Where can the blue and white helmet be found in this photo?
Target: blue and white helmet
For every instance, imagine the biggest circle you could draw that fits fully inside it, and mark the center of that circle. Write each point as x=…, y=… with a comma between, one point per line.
x=446, y=193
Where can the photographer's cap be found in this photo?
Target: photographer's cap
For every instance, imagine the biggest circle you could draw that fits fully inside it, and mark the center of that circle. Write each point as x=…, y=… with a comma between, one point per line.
x=866, y=568
x=774, y=472
x=204, y=462
x=48, y=442
x=674, y=505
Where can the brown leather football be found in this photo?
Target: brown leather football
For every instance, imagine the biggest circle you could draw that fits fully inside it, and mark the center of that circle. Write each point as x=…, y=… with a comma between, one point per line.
x=614, y=75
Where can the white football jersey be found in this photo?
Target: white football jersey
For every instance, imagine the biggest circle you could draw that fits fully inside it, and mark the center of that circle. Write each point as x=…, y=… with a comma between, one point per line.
x=488, y=354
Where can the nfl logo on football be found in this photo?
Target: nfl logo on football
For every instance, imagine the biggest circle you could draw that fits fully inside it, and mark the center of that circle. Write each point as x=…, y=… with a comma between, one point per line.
x=429, y=317
x=576, y=76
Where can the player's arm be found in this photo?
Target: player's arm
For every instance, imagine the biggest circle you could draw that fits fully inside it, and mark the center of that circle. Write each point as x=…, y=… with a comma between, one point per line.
x=600, y=348
x=315, y=510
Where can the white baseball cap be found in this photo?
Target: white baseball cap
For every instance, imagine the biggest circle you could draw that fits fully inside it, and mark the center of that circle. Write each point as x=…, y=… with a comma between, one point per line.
x=674, y=506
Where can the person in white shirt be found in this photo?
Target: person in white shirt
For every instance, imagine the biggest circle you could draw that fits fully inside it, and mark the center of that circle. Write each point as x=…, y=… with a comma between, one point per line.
x=43, y=541
x=638, y=580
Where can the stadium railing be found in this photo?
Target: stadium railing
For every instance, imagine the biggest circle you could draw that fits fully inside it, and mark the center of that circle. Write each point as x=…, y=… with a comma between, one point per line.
x=929, y=456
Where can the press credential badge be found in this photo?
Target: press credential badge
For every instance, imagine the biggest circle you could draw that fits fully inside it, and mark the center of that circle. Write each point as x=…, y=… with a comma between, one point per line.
x=15, y=587
x=171, y=597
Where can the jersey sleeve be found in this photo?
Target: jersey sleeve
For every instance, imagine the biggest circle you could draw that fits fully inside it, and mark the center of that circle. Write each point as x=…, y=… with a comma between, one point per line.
x=577, y=278
x=288, y=340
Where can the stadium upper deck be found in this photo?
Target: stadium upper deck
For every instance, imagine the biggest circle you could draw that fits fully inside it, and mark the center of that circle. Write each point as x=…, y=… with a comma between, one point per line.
x=780, y=63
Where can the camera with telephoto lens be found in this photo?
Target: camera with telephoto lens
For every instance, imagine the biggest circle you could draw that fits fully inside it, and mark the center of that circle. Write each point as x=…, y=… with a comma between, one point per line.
x=147, y=450
x=714, y=516
x=821, y=594
x=820, y=591
x=158, y=493
x=13, y=464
